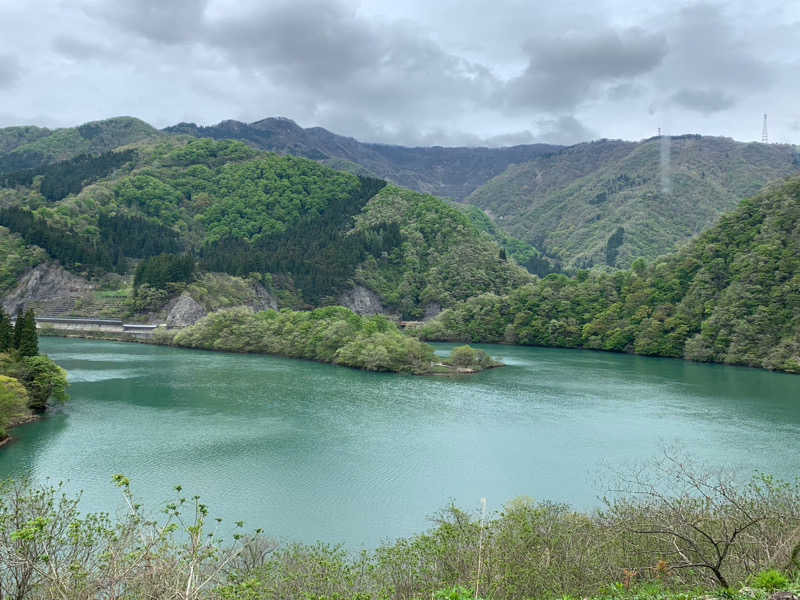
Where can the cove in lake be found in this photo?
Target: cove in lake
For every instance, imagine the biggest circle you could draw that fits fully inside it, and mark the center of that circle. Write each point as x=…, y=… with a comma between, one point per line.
x=309, y=451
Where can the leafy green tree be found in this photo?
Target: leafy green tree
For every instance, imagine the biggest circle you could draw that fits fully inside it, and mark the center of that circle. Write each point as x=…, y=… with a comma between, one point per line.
x=17, y=337
x=44, y=380
x=6, y=331
x=29, y=339
x=13, y=402
x=463, y=356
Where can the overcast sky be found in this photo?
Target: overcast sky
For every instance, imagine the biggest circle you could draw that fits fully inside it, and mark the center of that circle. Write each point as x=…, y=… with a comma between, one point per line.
x=419, y=72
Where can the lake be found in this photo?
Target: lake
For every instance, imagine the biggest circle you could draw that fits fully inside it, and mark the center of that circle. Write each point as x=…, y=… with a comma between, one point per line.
x=309, y=452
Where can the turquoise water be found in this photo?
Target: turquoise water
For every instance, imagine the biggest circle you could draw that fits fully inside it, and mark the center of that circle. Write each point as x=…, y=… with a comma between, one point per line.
x=309, y=452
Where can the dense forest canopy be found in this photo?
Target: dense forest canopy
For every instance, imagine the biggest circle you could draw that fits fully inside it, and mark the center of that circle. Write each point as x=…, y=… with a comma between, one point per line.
x=571, y=204
x=33, y=147
x=312, y=231
x=732, y=295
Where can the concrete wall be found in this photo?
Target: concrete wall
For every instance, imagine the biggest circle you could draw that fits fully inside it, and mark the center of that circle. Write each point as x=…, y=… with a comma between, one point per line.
x=66, y=326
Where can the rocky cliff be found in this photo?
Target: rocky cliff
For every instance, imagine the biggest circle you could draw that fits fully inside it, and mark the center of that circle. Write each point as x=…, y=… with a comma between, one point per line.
x=48, y=289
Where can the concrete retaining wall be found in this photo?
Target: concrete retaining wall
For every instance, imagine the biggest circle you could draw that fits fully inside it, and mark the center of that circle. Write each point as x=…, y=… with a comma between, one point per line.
x=67, y=326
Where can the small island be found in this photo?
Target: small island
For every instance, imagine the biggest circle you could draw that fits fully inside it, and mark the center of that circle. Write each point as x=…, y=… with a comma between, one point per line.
x=465, y=360
x=333, y=334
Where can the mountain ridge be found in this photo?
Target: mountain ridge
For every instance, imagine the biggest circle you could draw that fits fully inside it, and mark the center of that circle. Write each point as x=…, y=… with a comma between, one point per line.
x=611, y=199
x=451, y=172
x=30, y=147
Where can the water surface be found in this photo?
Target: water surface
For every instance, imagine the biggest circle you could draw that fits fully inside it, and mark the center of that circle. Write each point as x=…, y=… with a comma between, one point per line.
x=308, y=451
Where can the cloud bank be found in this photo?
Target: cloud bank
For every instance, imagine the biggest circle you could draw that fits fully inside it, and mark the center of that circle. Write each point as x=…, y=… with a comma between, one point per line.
x=470, y=72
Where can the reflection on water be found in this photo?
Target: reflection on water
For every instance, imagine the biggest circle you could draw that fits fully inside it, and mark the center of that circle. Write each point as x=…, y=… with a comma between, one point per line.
x=310, y=451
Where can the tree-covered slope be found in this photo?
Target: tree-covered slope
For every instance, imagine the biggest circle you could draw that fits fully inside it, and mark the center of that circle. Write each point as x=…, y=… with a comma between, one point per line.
x=442, y=257
x=522, y=252
x=609, y=202
x=445, y=172
x=31, y=147
x=308, y=231
x=732, y=295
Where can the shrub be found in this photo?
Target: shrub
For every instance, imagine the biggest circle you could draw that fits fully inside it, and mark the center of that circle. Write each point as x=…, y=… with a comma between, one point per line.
x=770, y=580
x=13, y=402
x=457, y=592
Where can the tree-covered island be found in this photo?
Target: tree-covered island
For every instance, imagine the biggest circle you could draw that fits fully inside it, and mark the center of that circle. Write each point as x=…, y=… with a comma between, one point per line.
x=333, y=335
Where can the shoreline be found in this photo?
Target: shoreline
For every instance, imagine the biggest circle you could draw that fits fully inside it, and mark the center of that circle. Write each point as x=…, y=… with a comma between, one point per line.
x=24, y=421
x=138, y=338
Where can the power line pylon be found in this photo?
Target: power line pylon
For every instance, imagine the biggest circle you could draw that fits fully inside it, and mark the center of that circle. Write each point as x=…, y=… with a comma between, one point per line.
x=764, y=138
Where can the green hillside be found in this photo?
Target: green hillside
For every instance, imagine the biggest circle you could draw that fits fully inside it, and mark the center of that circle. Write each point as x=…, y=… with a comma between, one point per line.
x=606, y=202
x=30, y=147
x=522, y=252
x=442, y=258
x=309, y=232
x=732, y=296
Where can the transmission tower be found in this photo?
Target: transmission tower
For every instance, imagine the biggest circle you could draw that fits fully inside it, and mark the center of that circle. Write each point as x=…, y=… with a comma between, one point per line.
x=764, y=138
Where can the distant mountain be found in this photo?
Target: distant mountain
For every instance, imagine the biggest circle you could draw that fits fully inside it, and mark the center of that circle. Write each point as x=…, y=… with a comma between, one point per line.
x=610, y=201
x=31, y=147
x=445, y=172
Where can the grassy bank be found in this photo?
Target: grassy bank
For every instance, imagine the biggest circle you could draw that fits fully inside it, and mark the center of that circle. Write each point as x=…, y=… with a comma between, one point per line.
x=707, y=538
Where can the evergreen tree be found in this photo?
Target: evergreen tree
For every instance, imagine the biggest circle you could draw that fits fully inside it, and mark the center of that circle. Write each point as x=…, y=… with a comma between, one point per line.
x=29, y=339
x=18, y=328
x=6, y=332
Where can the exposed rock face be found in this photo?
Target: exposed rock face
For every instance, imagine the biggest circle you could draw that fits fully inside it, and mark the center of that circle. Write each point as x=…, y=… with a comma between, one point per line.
x=49, y=287
x=263, y=300
x=362, y=301
x=186, y=311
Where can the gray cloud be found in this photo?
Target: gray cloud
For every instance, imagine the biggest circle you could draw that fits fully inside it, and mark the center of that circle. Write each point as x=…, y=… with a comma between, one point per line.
x=474, y=72
x=564, y=130
x=707, y=51
x=169, y=22
x=624, y=91
x=514, y=138
x=78, y=49
x=340, y=60
x=10, y=70
x=564, y=71
x=704, y=101
x=324, y=57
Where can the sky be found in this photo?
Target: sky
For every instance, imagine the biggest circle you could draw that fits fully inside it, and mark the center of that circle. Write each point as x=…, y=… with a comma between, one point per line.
x=411, y=72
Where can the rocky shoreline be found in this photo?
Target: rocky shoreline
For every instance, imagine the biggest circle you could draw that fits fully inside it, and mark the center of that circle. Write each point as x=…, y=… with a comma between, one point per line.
x=23, y=421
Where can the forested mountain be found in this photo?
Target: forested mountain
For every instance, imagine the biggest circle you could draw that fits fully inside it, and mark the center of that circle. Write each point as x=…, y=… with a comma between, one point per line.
x=308, y=232
x=31, y=147
x=609, y=202
x=446, y=172
x=732, y=295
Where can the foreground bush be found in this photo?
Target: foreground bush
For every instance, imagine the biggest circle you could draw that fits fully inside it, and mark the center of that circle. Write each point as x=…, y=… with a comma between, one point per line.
x=646, y=543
